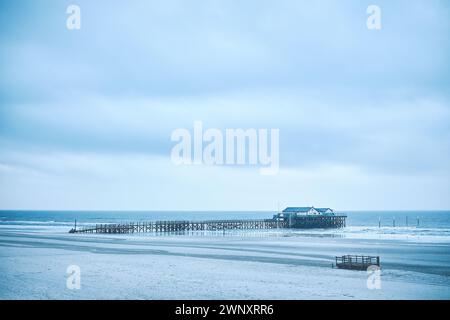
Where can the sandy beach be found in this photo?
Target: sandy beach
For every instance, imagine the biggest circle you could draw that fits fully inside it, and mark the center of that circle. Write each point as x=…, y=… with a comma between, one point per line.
x=235, y=266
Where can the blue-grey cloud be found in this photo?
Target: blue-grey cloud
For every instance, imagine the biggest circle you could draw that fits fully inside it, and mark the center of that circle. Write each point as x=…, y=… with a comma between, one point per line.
x=342, y=95
x=177, y=47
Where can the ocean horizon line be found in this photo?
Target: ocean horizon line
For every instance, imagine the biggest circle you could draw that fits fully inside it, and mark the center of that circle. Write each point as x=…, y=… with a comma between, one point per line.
x=209, y=211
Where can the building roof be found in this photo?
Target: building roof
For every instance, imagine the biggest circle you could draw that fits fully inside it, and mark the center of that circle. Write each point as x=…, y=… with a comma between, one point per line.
x=297, y=209
x=323, y=209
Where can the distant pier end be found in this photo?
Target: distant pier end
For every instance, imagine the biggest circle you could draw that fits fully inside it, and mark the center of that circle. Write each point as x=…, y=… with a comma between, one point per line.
x=310, y=217
x=293, y=217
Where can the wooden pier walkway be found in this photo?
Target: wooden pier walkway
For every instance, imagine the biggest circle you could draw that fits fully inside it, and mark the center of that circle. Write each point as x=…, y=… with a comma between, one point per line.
x=178, y=226
x=216, y=225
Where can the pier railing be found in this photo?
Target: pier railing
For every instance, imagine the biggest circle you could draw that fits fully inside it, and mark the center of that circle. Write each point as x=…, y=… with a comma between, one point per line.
x=302, y=222
x=356, y=262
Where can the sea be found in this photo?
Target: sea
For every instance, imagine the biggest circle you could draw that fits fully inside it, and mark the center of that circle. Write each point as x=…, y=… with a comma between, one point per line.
x=432, y=226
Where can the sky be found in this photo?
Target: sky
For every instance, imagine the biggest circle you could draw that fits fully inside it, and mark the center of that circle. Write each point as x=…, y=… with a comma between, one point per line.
x=86, y=115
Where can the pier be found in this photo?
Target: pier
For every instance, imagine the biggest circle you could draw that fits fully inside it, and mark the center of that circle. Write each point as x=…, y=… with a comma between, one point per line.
x=314, y=222
x=179, y=226
x=301, y=222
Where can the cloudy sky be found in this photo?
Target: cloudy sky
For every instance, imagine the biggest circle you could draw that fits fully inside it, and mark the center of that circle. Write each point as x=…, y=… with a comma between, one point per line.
x=86, y=115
